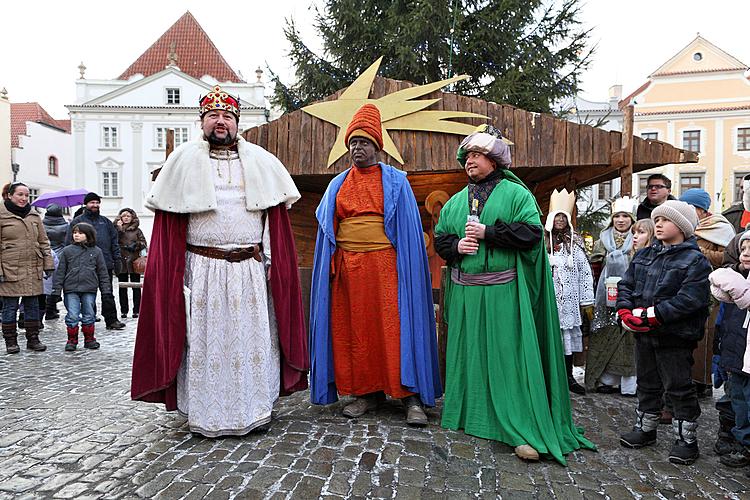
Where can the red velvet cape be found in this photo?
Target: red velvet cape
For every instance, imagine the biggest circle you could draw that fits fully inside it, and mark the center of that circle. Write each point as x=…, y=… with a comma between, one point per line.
x=160, y=338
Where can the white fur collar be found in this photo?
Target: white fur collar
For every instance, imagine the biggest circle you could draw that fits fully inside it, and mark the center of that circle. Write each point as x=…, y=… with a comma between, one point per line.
x=185, y=185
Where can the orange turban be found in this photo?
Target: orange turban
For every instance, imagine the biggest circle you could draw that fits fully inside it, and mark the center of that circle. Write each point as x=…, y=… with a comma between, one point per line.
x=366, y=123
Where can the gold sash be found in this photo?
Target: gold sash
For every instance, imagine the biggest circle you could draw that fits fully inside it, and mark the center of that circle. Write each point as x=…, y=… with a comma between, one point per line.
x=365, y=233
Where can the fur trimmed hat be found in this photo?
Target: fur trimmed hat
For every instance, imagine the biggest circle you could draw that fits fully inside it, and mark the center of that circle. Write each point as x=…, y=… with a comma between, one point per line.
x=680, y=213
x=366, y=123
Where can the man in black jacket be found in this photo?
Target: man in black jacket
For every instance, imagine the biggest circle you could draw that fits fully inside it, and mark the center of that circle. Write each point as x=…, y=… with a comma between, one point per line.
x=106, y=240
x=658, y=190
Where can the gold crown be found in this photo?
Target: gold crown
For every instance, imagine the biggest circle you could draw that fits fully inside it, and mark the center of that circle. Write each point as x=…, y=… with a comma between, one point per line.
x=562, y=201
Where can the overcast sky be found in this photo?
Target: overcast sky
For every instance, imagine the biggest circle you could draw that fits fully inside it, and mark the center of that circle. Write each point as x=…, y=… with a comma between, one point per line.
x=44, y=41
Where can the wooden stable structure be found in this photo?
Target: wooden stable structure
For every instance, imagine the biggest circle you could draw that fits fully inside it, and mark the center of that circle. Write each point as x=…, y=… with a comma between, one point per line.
x=547, y=153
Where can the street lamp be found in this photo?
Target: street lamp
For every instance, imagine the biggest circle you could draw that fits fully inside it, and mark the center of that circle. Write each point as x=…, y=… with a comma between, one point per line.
x=15, y=167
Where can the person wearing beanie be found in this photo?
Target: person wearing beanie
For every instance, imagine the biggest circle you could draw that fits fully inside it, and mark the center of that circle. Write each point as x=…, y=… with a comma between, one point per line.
x=372, y=323
x=713, y=234
x=730, y=285
x=714, y=231
x=610, y=361
x=501, y=308
x=107, y=241
x=663, y=299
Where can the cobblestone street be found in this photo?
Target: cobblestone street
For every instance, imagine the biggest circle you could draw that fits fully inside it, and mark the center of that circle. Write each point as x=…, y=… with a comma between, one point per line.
x=69, y=430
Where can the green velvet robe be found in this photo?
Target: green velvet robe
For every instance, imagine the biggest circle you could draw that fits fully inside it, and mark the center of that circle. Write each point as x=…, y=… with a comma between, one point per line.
x=505, y=368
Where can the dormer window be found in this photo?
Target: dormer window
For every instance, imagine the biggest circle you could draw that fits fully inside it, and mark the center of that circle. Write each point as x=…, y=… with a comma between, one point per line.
x=173, y=96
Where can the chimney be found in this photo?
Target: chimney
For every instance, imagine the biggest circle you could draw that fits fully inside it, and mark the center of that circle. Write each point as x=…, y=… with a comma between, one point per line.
x=615, y=93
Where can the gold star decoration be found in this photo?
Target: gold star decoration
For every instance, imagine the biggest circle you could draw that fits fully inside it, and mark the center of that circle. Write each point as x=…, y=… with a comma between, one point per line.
x=397, y=112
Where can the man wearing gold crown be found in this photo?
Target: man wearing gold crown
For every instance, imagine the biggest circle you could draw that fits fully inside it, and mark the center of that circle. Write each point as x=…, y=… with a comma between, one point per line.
x=372, y=322
x=221, y=332
x=505, y=369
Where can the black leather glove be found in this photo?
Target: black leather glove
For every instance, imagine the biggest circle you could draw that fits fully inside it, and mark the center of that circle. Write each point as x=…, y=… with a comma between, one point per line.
x=55, y=297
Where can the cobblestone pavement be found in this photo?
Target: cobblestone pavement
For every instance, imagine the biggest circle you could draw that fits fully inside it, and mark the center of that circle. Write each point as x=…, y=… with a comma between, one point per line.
x=69, y=430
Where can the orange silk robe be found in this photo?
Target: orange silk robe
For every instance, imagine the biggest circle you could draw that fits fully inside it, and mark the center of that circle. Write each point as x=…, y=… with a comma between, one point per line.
x=365, y=326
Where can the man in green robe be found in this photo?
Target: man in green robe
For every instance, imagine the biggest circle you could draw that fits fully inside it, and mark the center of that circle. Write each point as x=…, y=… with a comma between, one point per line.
x=505, y=367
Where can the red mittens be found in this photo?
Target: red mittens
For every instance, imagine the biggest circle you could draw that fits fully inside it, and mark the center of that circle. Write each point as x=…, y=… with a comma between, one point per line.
x=632, y=323
x=647, y=315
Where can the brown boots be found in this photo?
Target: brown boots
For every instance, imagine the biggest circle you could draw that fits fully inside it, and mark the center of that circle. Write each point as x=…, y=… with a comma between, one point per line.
x=10, y=335
x=32, y=337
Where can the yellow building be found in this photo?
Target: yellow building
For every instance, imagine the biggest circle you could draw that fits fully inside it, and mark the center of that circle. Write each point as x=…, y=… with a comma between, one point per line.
x=698, y=100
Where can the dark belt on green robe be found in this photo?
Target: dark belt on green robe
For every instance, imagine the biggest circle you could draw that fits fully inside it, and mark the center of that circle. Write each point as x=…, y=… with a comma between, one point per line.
x=483, y=279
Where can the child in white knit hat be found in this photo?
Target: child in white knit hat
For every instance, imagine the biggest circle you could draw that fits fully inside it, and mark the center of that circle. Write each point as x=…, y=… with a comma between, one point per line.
x=663, y=299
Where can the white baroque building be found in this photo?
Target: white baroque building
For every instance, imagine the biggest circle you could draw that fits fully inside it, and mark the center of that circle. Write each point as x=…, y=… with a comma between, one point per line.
x=119, y=126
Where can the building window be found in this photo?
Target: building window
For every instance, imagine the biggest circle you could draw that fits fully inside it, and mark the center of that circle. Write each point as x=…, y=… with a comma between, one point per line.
x=110, y=137
x=738, y=176
x=691, y=140
x=181, y=135
x=743, y=139
x=690, y=181
x=605, y=190
x=173, y=96
x=110, y=184
x=650, y=135
x=642, y=186
x=52, y=166
x=697, y=57
x=33, y=194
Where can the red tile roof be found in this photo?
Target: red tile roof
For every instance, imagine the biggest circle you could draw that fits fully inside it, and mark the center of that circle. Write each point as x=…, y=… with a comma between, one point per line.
x=196, y=54
x=23, y=112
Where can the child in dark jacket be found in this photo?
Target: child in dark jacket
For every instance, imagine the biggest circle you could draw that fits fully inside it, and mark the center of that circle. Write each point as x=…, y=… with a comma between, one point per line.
x=81, y=271
x=731, y=285
x=663, y=299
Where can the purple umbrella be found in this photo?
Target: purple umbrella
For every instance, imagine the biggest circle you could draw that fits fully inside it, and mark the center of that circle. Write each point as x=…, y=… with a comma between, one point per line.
x=67, y=198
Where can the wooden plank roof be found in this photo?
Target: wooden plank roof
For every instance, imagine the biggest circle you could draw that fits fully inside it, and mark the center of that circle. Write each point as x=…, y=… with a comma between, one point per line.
x=547, y=153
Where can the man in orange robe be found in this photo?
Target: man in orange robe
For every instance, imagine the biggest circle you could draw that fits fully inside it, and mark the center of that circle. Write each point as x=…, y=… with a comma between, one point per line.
x=372, y=324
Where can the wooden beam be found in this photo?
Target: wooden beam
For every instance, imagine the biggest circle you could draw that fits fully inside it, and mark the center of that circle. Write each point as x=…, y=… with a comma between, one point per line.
x=169, y=149
x=626, y=172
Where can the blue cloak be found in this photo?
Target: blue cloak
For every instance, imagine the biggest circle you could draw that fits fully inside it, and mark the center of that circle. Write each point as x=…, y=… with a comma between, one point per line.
x=419, y=364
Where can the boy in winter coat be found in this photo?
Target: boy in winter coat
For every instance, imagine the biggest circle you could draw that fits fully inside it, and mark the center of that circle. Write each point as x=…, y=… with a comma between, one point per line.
x=663, y=299
x=732, y=287
x=81, y=271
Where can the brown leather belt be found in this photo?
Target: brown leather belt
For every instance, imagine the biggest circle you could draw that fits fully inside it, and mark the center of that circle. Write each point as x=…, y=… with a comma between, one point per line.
x=233, y=255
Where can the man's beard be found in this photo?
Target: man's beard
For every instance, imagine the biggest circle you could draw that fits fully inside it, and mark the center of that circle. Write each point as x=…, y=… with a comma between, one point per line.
x=94, y=210
x=217, y=141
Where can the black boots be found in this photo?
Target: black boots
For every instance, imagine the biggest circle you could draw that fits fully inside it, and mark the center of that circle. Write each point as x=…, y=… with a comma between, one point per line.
x=725, y=442
x=32, y=337
x=51, y=311
x=685, y=448
x=574, y=386
x=10, y=335
x=643, y=433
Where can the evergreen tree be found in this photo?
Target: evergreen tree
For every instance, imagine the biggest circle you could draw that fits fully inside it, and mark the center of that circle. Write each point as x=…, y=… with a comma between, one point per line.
x=528, y=53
